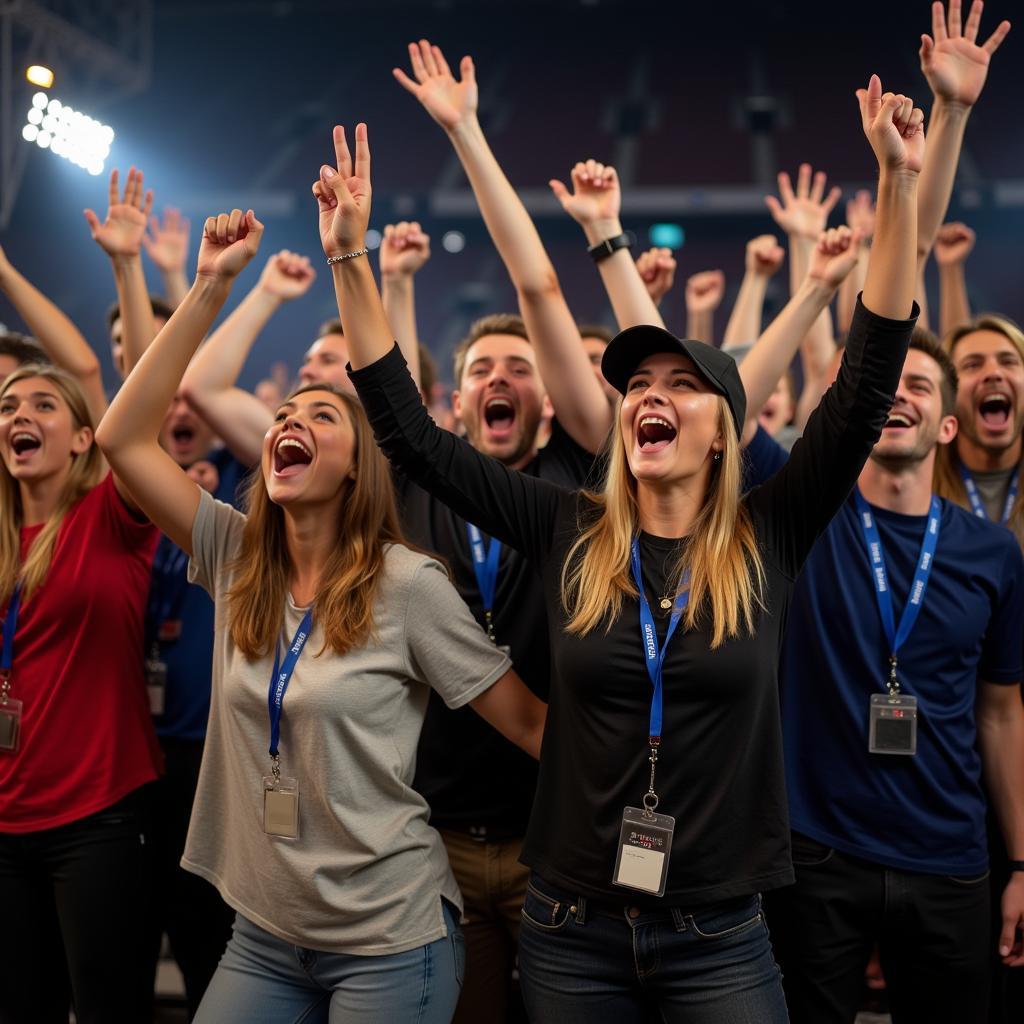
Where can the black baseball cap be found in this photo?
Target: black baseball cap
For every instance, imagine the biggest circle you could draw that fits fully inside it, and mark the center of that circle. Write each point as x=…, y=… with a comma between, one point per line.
x=627, y=350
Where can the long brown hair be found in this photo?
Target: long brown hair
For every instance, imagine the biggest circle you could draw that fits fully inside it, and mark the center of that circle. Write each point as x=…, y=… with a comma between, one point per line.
x=721, y=553
x=367, y=524
x=947, y=481
x=85, y=473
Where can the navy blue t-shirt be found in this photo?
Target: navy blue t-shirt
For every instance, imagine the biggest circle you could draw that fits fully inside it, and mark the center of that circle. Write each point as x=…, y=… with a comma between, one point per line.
x=923, y=813
x=171, y=596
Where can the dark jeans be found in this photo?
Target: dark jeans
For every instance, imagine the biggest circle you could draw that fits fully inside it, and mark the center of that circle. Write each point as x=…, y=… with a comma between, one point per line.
x=197, y=921
x=588, y=964
x=932, y=931
x=78, y=894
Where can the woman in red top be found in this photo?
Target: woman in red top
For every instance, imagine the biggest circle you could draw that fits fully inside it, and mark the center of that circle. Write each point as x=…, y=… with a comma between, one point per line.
x=76, y=740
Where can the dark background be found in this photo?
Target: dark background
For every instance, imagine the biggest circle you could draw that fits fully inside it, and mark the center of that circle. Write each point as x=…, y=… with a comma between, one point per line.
x=243, y=96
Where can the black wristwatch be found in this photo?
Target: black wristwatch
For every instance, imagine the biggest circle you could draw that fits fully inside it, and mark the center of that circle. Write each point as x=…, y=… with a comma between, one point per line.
x=602, y=250
x=1017, y=865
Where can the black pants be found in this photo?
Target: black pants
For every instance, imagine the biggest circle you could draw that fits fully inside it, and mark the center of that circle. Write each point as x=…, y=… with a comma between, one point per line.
x=197, y=921
x=73, y=905
x=933, y=934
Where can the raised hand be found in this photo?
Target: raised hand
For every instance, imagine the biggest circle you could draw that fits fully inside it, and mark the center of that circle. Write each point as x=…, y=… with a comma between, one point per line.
x=657, y=269
x=404, y=249
x=764, y=256
x=803, y=213
x=834, y=256
x=860, y=214
x=954, y=64
x=953, y=244
x=287, y=275
x=122, y=232
x=166, y=244
x=343, y=195
x=229, y=241
x=448, y=102
x=704, y=291
x=595, y=193
x=894, y=127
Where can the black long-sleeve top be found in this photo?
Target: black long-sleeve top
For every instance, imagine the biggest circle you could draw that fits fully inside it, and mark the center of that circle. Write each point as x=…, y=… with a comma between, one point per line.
x=720, y=772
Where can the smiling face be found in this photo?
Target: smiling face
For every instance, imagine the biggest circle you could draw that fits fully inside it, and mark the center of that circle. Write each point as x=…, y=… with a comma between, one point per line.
x=308, y=454
x=325, y=363
x=184, y=435
x=990, y=399
x=916, y=421
x=38, y=434
x=500, y=398
x=670, y=420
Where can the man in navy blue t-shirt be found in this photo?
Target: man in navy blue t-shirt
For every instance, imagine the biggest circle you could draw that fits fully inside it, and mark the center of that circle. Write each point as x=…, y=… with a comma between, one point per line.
x=884, y=761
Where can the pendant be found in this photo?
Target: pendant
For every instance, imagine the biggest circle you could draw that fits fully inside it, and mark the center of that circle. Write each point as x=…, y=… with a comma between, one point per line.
x=666, y=603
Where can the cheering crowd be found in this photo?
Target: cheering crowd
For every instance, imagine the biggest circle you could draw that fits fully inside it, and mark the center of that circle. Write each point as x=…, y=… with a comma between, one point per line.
x=385, y=711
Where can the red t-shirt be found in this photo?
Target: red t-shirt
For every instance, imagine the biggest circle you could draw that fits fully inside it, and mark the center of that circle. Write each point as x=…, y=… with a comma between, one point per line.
x=87, y=737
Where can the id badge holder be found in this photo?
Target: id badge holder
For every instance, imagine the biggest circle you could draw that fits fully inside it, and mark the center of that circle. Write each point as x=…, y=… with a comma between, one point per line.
x=645, y=842
x=892, y=725
x=10, y=725
x=156, y=684
x=280, y=807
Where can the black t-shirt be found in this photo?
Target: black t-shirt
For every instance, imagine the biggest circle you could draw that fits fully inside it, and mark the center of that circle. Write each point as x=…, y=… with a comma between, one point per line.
x=720, y=772
x=468, y=772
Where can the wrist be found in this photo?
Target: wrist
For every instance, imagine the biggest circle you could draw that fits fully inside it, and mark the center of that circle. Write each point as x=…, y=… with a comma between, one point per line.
x=600, y=230
x=466, y=129
x=816, y=291
x=953, y=110
x=266, y=297
x=122, y=260
x=897, y=183
x=397, y=278
x=212, y=286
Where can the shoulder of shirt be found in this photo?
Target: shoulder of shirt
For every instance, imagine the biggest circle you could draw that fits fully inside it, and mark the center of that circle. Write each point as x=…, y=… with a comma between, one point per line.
x=978, y=530
x=402, y=564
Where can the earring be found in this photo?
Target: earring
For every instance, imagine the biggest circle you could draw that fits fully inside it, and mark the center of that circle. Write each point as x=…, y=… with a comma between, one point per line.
x=718, y=456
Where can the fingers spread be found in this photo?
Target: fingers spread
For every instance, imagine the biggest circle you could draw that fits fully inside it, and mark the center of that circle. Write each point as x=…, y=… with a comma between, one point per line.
x=341, y=152
x=992, y=44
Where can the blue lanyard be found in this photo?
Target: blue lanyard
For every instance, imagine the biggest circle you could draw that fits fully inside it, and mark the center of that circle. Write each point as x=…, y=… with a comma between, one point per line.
x=975, y=498
x=485, y=565
x=10, y=625
x=883, y=592
x=282, y=676
x=653, y=655
x=168, y=585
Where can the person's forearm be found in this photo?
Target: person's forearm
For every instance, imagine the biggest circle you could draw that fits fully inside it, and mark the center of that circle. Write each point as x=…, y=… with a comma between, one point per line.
x=852, y=286
x=744, y=324
x=700, y=325
x=398, y=297
x=366, y=328
x=769, y=359
x=892, y=270
x=135, y=309
x=631, y=302
x=138, y=412
x=921, y=297
x=945, y=137
x=175, y=285
x=954, y=307
x=1001, y=738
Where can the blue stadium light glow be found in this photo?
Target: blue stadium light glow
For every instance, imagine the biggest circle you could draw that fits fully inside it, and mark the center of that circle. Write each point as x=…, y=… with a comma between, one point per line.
x=69, y=133
x=667, y=236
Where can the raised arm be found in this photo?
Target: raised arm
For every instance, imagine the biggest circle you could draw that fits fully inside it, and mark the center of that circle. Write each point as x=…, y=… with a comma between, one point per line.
x=129, y=433
x=58, y=336
x=704, y=293
x=238, y=417
x=594, y=204
x=657, y=269
x=860, y=219
x=166, y=244
x=833, y=258
x=576, y=396
x=764, y=256
x=953, y=245
x=403, y=252
x=514, y=507
x=956, y=68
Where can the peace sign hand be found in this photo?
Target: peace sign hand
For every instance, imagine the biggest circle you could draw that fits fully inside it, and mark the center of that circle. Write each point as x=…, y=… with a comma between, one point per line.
x=343, y=195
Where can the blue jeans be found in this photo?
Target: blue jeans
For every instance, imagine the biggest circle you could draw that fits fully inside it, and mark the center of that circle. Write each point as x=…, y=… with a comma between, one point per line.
x=262, y=979
x=588, y=964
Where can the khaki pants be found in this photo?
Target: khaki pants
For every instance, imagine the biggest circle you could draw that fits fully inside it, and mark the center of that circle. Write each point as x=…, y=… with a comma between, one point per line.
x=493, y=885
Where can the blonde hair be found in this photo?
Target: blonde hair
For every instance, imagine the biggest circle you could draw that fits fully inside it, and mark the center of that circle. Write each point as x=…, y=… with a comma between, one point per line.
x=721, y=553
x=947, y=481
x=85, y=473
x=367, y=524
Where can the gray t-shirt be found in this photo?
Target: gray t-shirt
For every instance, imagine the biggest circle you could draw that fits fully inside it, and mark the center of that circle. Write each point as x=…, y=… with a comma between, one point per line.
x=993, y=487
x=367, y=872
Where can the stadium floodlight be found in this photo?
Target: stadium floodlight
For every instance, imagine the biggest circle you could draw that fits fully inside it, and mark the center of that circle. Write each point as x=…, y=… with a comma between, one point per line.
x=39, y=76
x=453, y=241
x=69, y=133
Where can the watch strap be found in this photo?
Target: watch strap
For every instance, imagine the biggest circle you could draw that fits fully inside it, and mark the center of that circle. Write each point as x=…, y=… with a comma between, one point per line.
x=603, y=249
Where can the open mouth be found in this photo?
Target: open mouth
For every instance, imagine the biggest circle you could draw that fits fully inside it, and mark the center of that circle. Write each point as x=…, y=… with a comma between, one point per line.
x=897, y=421
x=654, y=433
x=499, y=414
x=25, y=444
x=291, y=456
x=183, y=436
x=995, y=411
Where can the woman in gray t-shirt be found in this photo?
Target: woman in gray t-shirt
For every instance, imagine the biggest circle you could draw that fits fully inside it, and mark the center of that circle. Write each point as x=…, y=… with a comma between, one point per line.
x=328, y=632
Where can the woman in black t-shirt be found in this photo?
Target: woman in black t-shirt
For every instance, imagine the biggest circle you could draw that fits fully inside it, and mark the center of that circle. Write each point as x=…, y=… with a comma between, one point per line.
x=626, y=909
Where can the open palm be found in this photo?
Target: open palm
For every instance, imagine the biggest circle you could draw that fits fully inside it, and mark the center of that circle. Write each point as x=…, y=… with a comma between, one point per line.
x=122, y=232
x=954, y=64
x=447, y=101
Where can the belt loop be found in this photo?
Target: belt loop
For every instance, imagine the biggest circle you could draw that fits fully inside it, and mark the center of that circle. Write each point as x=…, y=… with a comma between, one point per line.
x=678, y=919
x=581, y=909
